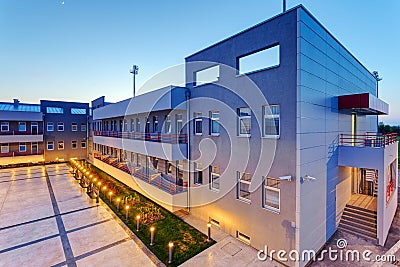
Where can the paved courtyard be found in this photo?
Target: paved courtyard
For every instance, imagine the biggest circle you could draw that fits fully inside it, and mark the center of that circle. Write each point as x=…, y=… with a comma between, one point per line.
x=47, y=220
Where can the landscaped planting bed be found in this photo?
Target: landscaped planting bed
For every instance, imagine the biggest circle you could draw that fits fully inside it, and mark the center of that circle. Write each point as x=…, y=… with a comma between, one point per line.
x=187, y=241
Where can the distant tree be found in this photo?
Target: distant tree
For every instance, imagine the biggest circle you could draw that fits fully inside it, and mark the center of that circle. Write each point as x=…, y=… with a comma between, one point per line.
x=386, y=128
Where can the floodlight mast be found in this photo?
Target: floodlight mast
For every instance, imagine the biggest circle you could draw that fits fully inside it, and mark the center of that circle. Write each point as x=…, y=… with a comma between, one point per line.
x=134, y=71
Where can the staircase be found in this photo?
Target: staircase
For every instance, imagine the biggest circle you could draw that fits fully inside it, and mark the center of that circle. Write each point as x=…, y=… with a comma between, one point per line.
x=360, y=222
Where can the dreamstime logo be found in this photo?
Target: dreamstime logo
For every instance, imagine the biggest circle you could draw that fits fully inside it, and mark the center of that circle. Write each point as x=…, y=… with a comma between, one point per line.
x=331, y=254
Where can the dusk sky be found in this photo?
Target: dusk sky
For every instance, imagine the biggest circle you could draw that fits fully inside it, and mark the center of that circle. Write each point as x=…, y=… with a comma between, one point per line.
x=78, y=50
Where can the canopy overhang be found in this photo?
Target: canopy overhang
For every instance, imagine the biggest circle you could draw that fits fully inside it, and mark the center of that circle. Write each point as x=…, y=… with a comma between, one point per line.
x=363, y=104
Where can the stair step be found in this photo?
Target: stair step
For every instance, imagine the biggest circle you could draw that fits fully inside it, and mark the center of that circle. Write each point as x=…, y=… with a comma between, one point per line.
x=359, y=209
x=358, y=230
x=362, y=226
x=359, y=221
x=374, y=239
x=369, y=218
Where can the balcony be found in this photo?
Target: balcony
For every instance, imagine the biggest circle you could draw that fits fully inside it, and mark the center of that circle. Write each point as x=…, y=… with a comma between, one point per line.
x=165, y=146
x=15, y=157
x=21, y=136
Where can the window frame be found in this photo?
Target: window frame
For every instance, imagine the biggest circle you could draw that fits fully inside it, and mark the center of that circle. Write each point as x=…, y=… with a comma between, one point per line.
x=198, y=118
x=72, y=144
x=20, y=124
x=275, y=189
x=168, y=124
x=240, y=181
x=137, y=125
x=83, y=127
x=155, y=124
x=74, y=126
x=266, y=116
x=85, y=144
x=50, y=143
x=212, y=178
x=58, y=126
x=52, y=126
x=22, y=144
x=5, y=145
x=213, y=119
x=239, y=121
x=61, y=142
x=5, y=124
x=197, y=167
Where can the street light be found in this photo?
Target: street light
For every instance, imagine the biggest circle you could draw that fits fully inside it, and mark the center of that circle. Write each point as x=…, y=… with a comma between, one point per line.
x=110, y=194
x=209, y=232
x=152, y=235
x=118, y=201
x=127, y=212
x=137, y=222
x=170, y=248
x=134, y=71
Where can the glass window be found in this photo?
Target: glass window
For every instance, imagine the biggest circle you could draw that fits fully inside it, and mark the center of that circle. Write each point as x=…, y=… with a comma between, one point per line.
x=125, y=126
x=272, y=193
x=74, y=127
x=155, y=124
x=147, y=126
x=244, y=121
x=214, y=177
x=60, y=126
x=60, y=145
x=83, y=127
x=179, y=123
x=50, y=126
x=22, y=147
x=198, y=123
x=167, y=124
x=137, y=125
x=54, y=110
x=83, y=144
x=50, y=145
x=259, y=60
x=198, y=173
x=132, y=125
x=214, y=123
x=271, y=121
x=5, y=126
x=5, y=148
x=208, y=75
x=74, y=144
x=78, y=111
x=243, y=186
x=22, y=126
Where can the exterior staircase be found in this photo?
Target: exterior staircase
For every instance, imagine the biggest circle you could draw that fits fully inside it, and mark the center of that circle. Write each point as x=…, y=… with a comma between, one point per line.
x=360, y=222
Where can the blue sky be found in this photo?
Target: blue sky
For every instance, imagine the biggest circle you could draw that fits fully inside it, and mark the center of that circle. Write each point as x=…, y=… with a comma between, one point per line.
x=83, y=49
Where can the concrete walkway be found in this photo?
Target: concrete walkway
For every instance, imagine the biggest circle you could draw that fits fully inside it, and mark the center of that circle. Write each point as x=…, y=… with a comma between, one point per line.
x=47, y=220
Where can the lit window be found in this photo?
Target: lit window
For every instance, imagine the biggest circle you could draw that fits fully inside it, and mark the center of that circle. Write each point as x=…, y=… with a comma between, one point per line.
x=259, y=60
x=272, y=193
x=74, y=144
x=50, y=145
x=60, y=145
x=22, y=147
x=214, y=177
x=83, y=127
x=167, y=124
x=214, y=123
x=244, y=121
x=60, y=126
x=4, y=126
x=74, y=127
x=50, y=126
x=271, y=121
x=5, y=148
x=198, y=173
x=22, y=126
x=243, y=186
x=83, y=144
x=198, y=123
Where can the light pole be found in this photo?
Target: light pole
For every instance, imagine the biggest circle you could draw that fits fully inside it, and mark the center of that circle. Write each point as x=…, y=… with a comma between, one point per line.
x=378, y=79
x=209, y=232
x=134, y=71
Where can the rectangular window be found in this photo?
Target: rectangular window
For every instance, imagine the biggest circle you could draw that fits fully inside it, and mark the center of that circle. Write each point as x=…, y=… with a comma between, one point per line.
x=60, y=145
x=137, y=125
x=54, y=110
x=214, y=177
x=60, y=126
x=208, y=75
x=83, y=144
x=83, y=127
x=50, y=126
x=5, y=148
x=244, y=121
x=178, y=123
x=214, y=123
x=272, y=192
x=34, y=127
x=242, y=237
x=198, y=173
x=74, y=127
x=125, y=129
x=78, y=111
x=167, y=124
x=243, y=186
x=5, y=126
x=74, y=144
x=155, y=124
x=22, y=147
x=132, y=125
x=22, y=126
x=271, y=121
x=198, y=123
x=147, y=126
x=50, y=145
x=260, y=60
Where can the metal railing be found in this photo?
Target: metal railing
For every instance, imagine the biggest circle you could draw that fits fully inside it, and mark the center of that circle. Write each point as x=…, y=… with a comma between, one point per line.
x=39, y=132
x=17, y=153
x=152, y=137
x=368, y=139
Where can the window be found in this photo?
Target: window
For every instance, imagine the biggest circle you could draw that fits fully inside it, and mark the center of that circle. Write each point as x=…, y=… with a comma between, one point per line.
x=147, y=126
x=155, y=124
x=137, y=125
x=54, y=110
x=74, y=144
x=214, y=123
x=259, y=60
x=78, y=111
x=34, y=127
x=243, y=186
x=83, y=144
x=179, y=123
x=74, y=127
x=83, y=127
x=271, y=121
x=5, y=126
x=60, y=145
x=50, y=126
x=22, y=147
x=214, y=177
x=60, y=126
x=198, y=123
x=132, y=125
x=208, y=75
x=5, y=148
x=242, y=237
x=244, y=121
x=125, y=126
x=167, y=124
x=22, y=126
x=50, y=145
x=272, y=193
x=198, y=173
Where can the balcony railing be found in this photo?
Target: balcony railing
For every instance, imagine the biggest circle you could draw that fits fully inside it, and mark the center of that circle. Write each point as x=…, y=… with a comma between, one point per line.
x=17, y=153
x=155, y=178
x=21, y=132
x=368, y=139
x=152, y=137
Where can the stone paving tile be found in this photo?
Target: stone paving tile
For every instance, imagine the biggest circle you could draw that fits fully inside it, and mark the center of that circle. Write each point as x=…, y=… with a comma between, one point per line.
x=85, y=217
x=25, y=214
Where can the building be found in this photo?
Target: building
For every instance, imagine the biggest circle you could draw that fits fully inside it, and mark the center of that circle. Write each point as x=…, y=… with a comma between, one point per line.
x=275, y=151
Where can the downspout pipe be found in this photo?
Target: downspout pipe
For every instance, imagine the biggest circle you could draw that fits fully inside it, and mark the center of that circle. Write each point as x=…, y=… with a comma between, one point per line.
x=188, y=131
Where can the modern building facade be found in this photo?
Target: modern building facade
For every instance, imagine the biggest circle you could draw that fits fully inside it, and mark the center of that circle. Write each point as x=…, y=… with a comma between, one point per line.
x=274, y=139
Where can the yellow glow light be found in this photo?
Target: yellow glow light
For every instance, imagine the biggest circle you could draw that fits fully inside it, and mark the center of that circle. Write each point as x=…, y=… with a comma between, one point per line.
x=152, y=229
x=170, y=244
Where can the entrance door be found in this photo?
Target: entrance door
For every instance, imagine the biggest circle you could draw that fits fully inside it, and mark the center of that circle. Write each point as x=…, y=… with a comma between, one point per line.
x=34, y=148
x=365, y=182
x=34, y=128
